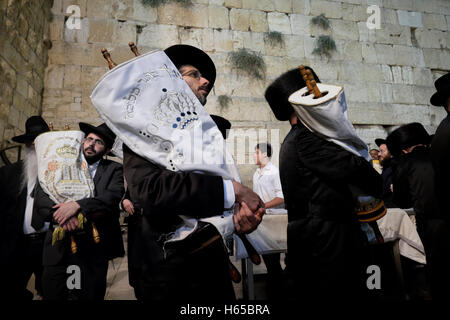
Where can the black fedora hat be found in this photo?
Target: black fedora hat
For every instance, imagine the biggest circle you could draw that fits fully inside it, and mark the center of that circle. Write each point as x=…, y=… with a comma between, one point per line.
x=182, y=54
x=407, y=136
x=442, y=85
x=380, y=141
x=278, y=92
x=102, y=130
x=34, y=126
x=223, y=125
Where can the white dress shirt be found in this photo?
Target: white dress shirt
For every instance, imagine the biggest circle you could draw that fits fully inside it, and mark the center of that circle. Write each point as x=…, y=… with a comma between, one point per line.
x=267, y=185
x=93, y=168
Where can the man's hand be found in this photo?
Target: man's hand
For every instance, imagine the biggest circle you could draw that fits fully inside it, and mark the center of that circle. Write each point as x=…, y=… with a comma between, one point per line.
x=128, y=206
x=245, y=221
x=65, y=211
x=71, y=224
x=244, y=194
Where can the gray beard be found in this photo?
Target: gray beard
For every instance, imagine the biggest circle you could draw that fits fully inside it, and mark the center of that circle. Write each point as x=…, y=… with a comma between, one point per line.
x=30, y=167
x=202, y=99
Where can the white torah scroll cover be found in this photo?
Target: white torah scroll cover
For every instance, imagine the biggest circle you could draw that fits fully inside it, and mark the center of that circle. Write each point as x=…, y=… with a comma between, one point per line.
x=328, y=117
x=149, y=106
x=62, y=169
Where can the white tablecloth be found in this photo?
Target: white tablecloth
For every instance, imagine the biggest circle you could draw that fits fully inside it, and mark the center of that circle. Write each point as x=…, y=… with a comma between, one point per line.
x=271, y=235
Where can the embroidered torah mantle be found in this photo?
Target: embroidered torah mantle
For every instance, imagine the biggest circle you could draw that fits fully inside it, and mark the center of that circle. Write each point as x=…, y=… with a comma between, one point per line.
x=62, y=169
x=149, y=106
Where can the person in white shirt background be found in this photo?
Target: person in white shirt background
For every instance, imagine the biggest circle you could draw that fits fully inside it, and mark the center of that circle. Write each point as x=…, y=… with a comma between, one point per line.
x=267, y=185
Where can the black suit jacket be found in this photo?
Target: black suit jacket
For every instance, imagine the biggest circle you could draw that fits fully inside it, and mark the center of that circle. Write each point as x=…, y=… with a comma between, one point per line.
x=12, y=204
x=440, y=156
x=163, y=195
x=103, y=209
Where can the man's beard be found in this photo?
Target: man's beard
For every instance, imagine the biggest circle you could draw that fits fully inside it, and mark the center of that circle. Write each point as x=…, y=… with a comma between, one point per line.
x=202, y=99
x=30, y=167
x=386, y=162
x=94, y=158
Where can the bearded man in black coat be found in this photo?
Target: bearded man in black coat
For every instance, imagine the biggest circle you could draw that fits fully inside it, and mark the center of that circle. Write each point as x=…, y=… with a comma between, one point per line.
x=414, y=186
x=20, y=244
x=324, y=237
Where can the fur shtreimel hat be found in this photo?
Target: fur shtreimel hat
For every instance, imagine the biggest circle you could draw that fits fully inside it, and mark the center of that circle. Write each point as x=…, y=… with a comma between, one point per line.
x=182, y=54
x=278, y=92
x=407, y=136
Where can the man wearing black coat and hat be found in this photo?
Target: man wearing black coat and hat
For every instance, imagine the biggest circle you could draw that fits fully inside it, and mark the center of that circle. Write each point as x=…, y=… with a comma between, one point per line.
x=102, y=209
x=414, y=186
x=440, y=146
x=21, y=244
x=324, y=237
x=162, y=194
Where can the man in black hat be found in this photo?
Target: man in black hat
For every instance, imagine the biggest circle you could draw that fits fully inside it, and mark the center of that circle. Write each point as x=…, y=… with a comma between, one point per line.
x=440, y=146
x=413, y=182
x=323, y=234
x=385, y=158
x=163, y=194
x=21, y=244
x=102, y=209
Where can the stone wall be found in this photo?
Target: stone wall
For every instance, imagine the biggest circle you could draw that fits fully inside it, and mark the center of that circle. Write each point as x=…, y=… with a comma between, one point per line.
x=24, y=42
x=387, y=73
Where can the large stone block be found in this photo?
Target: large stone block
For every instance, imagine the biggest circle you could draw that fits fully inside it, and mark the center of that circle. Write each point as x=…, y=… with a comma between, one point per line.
x=444, y=58
x=294, y=46
x=422, y=76
x=386, y=93
x=264, y=5
x=101, y=30
x=394, y=34
x=345, y=30
x=233, y=3
x=434, y=21
x=369, y=113
x=407, y=75
x=408, y=56
x=325, y=70
x=7, y=73
x=301, y=6
x=356, y=92
x=300, y=24
x=279, y=22
x=197, y=37
x=389, y=16
x=422, y=94
x=218, y=17
x=158, y=36
x=385, y=54
x=223, y=40
x=431, y=38
x=402, y=93
x=397, y=74
x=399, y=4
x=368, y=133
x=124, y=32
x=283, y=6
x=196, y=16
x=407, y=113
x=143, y=13
x=351, y=50
x=72, y=76
x=328, y=8
x=258, y=21
x=431, y=58
x=240, y=19
x=410, y=19
x=354, y=12
x=250, y=40
x=368, y=52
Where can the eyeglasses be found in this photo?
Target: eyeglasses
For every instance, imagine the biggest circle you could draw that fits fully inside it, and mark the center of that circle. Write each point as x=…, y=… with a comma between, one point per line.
x=96, y=141
x=193, y=74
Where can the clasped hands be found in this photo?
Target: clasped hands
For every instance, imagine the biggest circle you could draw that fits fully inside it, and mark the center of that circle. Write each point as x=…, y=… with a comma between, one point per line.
x=248, y=211
x=65, y=215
